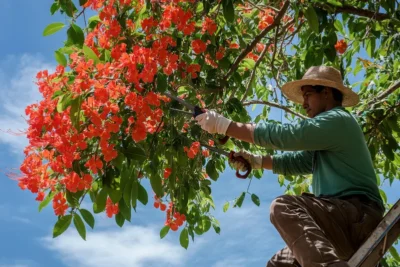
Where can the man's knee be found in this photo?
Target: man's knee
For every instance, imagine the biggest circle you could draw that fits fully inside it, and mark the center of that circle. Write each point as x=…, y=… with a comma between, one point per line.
x=278, y=207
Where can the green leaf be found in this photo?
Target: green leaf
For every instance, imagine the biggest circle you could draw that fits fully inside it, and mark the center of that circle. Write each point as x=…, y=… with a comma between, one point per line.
x=339, y=26
x=73, y=198
x=312, y=19
x=62, y=225
x=80, y=226
x=115, y=195
x=90, y=54
x=60, y=58
x=255, y=199
x=64, y=101
x=184, y=238
x=239, y=201
x=164, y=231
x=394, y=253
x=162, y=84
x=82, y=2
x=54, y=7
x=370, y=47
x=228, y=10
x=94, y=18
x=211, y=170
x=205, y=221
x=46, y=200
x=101, y=201
x=142, y=195
x=119, y=219
x=135, y=153
x=75, y=112
x=68, y=7
x=388, y=152
x=249, y=63
x=335, y=3
x=53, y=28
x=75, y=36
x=330, y=53
x=127, y=195
x=88, y=217
x=225, y=207
x=134, y=192
x=156, y=184
x=383, y=195
x=125, y=210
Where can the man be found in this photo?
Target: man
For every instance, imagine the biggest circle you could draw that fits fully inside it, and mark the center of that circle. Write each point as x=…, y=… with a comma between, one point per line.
x=324, y=228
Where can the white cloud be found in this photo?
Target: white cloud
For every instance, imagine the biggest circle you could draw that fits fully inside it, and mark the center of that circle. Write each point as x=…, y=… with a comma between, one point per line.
x=132, y=246
x=18, y=89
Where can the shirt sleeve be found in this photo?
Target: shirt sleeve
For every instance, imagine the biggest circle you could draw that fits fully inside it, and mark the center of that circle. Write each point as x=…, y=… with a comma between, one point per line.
x=293, y=163
x=319, y=133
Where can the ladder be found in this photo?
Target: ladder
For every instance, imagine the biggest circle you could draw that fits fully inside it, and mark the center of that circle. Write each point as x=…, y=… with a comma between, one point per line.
x=381, y=239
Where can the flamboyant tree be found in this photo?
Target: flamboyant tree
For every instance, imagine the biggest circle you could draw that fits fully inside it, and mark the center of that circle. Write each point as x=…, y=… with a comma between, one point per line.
x=105, y=124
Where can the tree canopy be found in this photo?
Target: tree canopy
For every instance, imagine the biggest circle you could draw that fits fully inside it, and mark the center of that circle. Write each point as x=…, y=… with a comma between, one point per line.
x=104, y=124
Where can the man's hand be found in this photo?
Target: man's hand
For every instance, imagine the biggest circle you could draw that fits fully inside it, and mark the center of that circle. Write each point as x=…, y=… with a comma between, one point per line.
x=213, y=122
x=254, y=160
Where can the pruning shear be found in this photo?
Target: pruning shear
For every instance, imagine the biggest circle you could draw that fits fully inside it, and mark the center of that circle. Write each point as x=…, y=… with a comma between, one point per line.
x=196, y=111
x=231, y=156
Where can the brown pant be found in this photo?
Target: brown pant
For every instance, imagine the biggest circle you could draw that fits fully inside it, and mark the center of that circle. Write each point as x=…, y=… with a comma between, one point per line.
x=321, y=231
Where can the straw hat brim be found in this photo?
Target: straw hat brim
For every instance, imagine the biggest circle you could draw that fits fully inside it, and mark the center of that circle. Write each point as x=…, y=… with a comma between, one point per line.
x=292, y=90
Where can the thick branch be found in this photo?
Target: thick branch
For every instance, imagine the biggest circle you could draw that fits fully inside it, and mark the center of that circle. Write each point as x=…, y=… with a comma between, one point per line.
x=388, y=112
x=390, y=90
x=275, y=105
x=381, y=96
x=356, y=11
x=256, y=40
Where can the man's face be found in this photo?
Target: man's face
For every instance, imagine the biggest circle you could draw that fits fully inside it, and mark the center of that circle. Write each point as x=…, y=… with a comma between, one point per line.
x=313, y=102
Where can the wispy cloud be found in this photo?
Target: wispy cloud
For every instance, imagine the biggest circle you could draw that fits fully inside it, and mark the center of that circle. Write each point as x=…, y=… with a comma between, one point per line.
x=132, y=246
x=17, y=263
x=18, y=89
x=9, y=214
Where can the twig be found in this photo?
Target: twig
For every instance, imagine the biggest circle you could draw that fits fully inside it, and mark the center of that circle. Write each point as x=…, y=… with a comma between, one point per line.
x=355, y=11
x=275, y=105
x=253, y=74
x=256, y=40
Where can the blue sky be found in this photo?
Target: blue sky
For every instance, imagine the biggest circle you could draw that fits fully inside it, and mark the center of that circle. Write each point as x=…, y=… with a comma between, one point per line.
x=247, y=238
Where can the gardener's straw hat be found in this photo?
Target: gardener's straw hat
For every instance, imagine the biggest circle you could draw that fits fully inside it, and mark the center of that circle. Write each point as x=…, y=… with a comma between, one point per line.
x=320, y=75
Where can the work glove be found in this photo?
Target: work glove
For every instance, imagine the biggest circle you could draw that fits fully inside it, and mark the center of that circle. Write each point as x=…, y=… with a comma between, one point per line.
x=213, y=122
x=254, y=160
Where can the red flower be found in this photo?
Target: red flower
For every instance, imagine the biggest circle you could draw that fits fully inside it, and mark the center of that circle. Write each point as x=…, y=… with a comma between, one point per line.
x=341, y=46
x=199, y=46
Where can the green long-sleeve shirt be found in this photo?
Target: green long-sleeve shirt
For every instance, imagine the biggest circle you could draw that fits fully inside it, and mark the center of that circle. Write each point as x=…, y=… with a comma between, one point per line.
x=330, y=146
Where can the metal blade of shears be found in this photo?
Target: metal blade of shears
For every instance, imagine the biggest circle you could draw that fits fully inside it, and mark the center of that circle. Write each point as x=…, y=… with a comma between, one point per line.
x=182, y=111
x=196, y=109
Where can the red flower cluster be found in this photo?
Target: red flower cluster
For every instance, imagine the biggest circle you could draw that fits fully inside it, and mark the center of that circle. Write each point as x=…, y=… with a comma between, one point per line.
x=175, y=221
x=111, y=208
x=193, y=150
x=266, y=18
x=341, y=46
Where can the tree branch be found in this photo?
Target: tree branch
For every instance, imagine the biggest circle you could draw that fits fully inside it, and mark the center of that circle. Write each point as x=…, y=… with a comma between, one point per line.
x=377, y=122
x=355, y=11
x=256, y=40
x=381, y=96
x=275, y=105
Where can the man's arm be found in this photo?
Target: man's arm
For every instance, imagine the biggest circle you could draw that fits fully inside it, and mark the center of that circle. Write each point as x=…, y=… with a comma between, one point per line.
x=241, y=131
x=293, y=163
